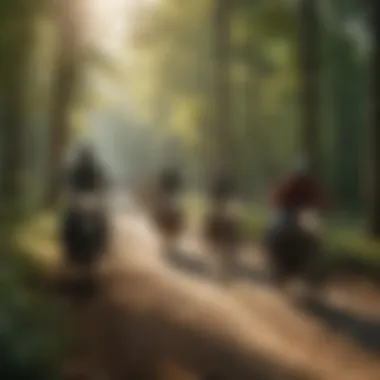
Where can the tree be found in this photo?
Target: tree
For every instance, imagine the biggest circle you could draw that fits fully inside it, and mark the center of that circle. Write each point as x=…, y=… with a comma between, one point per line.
x=63, y=93
x=347, y=99
x=170, y=78
x=344, y=124
x=309, y=69
x=17, y=20
x=375, y=220
x=222, y=79
x=261, y=102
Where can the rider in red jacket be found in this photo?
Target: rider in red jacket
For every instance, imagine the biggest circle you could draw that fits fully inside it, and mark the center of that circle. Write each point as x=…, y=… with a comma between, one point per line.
x=298, y=192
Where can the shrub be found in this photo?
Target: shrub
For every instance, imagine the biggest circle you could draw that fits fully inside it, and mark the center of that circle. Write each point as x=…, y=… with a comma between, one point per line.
x=32, y=335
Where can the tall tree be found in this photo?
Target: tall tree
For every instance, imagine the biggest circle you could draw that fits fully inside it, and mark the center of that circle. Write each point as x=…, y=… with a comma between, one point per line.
x=17, y=20
x=13, y=135
x=63, y=92
x=309, y=69
x=222, y=95
x=375, y=220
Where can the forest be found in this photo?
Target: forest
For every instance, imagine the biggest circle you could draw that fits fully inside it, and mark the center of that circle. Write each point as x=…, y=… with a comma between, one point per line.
x=247, y=84
x=273, y=80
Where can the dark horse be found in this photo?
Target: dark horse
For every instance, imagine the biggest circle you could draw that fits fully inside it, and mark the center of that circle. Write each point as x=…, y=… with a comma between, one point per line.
x=294, y=251
x=169, y=220
x=84, y=236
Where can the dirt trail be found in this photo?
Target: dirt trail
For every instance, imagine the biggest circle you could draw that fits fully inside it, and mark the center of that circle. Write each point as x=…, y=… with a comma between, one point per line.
x=148, y=315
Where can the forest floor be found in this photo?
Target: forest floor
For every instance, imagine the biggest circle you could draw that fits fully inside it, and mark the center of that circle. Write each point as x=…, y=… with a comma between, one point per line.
x=157, y=317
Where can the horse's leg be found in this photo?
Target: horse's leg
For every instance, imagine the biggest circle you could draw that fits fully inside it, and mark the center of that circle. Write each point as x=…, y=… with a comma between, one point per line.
x=316, y=271
x=279, y=273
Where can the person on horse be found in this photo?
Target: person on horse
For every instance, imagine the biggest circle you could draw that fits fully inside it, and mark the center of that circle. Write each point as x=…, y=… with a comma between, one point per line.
x=299, y=191
x=84, y=227
x=86, y=175
x=294, y=195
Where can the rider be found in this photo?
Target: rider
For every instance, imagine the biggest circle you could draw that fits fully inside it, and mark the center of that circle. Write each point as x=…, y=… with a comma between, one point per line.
x=170, y=182
x=298, y=192
x=86, y=175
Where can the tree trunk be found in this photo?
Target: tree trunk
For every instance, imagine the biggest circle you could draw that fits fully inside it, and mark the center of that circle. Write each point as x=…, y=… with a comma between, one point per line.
x=248, y=142
x=375, y=219
x=348, y=122
x=13, y=145
x=223, y=136
x=309, y=69
x=63, y=90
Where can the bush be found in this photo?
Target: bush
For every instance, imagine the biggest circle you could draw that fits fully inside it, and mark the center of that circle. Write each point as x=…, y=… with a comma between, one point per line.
x=32, y=333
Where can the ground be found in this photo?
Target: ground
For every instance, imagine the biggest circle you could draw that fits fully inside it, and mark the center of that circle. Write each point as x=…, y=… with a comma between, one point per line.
x=168, y=319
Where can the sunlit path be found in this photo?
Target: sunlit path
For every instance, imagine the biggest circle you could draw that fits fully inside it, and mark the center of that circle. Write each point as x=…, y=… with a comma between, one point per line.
x=242, y=329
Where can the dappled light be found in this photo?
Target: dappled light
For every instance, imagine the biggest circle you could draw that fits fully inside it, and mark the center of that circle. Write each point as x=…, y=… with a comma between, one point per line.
x=190, y=189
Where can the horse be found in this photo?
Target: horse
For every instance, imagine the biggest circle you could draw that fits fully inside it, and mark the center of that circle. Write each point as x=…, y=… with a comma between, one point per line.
x=222, y=233
x=169, y=219
x=295, y=250
x=84, y=233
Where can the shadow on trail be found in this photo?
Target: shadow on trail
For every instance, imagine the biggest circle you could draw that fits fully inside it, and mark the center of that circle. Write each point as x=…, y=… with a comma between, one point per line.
x=363, y=330
x=179, y=260
x=252, y=274
x=196, y=266
x=129, y=347
x=76, y=288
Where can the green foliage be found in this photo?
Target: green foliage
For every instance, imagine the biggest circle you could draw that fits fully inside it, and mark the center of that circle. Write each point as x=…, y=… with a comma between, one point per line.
x=178, y=41
x=31, y=335
x=344, y=107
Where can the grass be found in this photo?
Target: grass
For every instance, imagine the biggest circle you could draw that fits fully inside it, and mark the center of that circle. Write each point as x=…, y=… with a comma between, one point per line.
x=36, y=237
